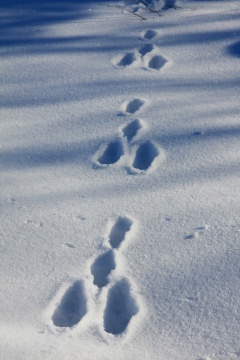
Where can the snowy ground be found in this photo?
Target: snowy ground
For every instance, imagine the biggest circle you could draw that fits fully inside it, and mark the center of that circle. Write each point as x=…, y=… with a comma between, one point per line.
x=120, y=201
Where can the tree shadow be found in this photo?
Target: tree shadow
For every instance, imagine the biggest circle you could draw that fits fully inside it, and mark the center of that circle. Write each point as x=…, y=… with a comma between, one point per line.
x=199, y=38
x=46, y=155
x=23, y=22
x=196, y=136
x=38, y=93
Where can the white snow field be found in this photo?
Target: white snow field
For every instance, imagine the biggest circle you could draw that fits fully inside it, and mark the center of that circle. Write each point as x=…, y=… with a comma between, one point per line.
x=120, y=180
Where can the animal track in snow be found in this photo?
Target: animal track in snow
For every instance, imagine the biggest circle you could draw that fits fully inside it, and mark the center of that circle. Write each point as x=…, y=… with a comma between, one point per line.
x=126, y=60
x=146, y=48
x=124, y=146
x=145, y=155
x=105, y=263
x=120, y=308
x=149, y=34
x=112, y=153
x=120, y=304
x=147, y=56
x=157, y=62
x=119, y=231
x=131, y=130
x=102, y=267
x=72, y=307
x=134, y=105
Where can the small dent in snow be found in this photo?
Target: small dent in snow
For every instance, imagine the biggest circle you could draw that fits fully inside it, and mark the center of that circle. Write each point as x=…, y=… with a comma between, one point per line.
x=191, y=298
x=191, y=236
x=34, y=223
x=197, y=231
x=27, y=221
x=71, y=246
x=202, y=228
x=38, y=225
x=12, y=200
x=79, y=217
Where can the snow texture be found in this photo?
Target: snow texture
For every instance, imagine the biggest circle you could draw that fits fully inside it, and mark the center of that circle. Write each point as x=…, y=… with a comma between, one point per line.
x=120, y=177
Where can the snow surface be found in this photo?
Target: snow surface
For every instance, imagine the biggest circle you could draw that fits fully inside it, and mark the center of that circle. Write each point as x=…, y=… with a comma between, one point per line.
x=120, y=178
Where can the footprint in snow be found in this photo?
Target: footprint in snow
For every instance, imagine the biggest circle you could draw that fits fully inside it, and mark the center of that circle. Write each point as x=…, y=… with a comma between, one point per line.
x=72, y=306
x=145, y=155
x=102, y=267
x=149, y=34
x=105, y=263
x=157, y=62
x=132, y=106
x=145, y=49
x=132, y=129
x=120, y=308
x=125, y=60
x=119, y=231
x=112, y=153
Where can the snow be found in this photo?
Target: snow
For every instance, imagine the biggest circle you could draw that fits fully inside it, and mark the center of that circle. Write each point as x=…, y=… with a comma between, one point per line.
x=120, y=196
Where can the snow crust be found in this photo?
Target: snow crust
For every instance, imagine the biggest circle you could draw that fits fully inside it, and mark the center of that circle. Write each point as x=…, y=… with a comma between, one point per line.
x=120, y=178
